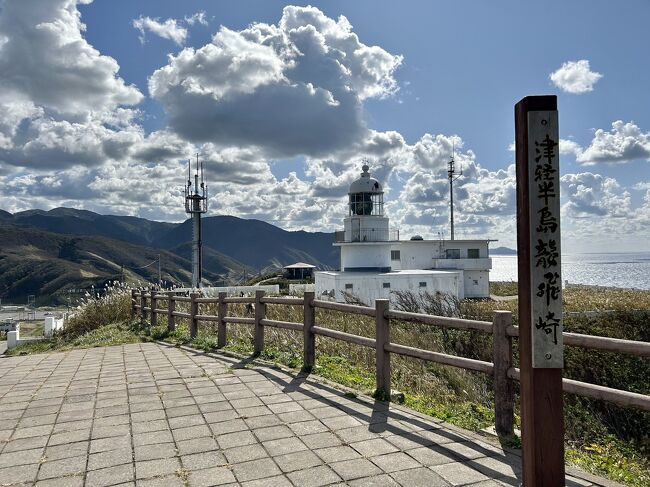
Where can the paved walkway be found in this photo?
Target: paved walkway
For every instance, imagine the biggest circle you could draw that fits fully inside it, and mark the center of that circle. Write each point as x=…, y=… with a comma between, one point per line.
x=156, y=415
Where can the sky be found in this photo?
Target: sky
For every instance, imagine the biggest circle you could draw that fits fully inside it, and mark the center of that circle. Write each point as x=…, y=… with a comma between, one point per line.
x=102, y=103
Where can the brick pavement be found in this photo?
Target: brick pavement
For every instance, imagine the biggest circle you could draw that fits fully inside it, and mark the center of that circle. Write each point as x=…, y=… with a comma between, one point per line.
x=155, y=415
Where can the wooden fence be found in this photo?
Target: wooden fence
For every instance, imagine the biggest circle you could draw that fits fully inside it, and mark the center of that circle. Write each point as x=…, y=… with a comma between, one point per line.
x=501, y=328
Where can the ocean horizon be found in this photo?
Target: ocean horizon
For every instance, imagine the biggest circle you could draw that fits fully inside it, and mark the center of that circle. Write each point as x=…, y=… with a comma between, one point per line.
x=610, y=269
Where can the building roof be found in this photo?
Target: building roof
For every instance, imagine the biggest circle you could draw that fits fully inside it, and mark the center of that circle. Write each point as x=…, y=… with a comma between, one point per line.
x=396, y=273
x=299, y=265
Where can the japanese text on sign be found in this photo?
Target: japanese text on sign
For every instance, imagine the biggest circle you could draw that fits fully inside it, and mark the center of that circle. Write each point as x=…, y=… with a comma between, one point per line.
x=545, y=262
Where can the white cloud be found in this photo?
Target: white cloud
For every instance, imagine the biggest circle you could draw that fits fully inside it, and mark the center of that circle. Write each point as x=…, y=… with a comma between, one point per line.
x=196, y=18
x=568, y=146
x=575, y=77
x=624, y=143
x=168, y=29
x=642, y=186
x=490, y=192
x=589, y=194
x=65, y=106
x=292, y=88
x=46, y=143
x=46, y=61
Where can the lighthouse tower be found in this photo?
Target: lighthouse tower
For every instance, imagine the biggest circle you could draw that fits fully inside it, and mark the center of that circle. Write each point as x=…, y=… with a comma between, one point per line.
x=365, y=245
x=196, y=203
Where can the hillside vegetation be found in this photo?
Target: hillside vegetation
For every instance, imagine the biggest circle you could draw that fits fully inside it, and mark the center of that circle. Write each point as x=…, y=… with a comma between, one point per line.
x=49, y=265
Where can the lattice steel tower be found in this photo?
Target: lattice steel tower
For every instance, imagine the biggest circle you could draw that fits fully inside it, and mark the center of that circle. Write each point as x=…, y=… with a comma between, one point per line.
x=196, y=203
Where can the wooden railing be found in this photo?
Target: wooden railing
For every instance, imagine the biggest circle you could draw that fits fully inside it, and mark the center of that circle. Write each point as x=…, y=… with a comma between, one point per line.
x=501, y=368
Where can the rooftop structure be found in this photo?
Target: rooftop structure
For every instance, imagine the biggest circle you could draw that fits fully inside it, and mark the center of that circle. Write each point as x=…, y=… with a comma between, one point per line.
x=299, y=270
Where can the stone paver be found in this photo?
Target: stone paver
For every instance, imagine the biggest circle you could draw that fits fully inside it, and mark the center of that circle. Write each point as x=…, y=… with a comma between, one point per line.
x=154, y=415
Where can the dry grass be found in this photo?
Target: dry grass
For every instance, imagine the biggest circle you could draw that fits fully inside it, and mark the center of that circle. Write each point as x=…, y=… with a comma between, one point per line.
x=114, y=306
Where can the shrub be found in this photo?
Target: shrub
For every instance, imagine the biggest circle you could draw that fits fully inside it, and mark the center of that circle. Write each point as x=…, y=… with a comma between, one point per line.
x=98, y=310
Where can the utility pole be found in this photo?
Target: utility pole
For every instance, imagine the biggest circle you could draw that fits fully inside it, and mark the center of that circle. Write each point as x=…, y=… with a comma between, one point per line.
x=451, y=171
x=159, y=272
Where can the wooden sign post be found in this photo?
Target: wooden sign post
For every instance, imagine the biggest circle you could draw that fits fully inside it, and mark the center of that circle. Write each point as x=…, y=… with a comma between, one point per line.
x=540, y=290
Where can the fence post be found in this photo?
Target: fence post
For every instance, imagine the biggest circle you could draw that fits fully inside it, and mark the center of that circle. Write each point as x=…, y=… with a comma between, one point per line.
x=309, y=314
x=133, y=301
x=171, y=307
x=143, y=303
x=504, y=398
x=382, y=357
x=260, y=314
x=154, y=306
x=222, y=311
x=194, y=310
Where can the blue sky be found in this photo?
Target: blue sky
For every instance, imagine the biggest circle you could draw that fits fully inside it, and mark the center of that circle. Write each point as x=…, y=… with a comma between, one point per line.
x=440, y=68
x=465, y=63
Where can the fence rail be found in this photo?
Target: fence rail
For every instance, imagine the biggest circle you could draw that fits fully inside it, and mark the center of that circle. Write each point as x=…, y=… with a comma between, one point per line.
x=599, y=343
x=594, y=391
x=501, y=368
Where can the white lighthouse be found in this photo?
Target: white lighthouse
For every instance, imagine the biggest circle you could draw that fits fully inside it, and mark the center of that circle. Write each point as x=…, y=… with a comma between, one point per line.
x=375, y=262
x=365, y=245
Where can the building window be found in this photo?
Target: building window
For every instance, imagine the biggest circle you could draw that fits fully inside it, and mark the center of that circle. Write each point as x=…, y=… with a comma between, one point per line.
x=452, y=253
x=387, y=285
x=472, y=253
x=395, y=255
x=423, y=284
x=348, y=286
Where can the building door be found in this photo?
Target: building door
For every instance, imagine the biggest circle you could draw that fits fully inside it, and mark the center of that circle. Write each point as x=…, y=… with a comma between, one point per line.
x=355, y=227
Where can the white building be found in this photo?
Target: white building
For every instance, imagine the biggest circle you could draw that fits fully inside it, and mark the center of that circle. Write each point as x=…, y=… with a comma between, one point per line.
x=468, y=256
x=375, y=262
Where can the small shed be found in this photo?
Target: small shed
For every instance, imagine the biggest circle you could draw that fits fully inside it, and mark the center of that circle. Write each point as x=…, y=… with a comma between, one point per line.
x=299, y=270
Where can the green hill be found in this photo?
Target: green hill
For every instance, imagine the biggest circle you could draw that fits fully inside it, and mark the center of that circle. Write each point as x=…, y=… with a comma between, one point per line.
x=49, y=265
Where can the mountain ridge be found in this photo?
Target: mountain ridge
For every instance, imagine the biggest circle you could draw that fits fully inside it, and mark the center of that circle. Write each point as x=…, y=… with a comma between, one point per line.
x=503, y=251
x=233, y=247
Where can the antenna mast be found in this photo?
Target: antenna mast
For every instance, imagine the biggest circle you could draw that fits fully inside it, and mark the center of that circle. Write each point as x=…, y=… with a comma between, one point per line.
x=451, y=174
x=196, y=203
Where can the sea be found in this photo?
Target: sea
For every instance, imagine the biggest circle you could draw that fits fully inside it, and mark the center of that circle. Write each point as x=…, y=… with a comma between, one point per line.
x=623, y=270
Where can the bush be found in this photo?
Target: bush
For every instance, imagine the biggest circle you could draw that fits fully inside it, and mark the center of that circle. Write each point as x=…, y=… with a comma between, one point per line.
x=98, y=310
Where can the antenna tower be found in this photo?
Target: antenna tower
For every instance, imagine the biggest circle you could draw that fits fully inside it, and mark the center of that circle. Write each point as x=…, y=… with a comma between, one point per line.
x=196, y=203
x=451, y=174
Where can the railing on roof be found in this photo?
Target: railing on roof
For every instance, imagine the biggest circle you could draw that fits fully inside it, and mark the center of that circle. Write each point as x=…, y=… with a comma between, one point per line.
x=367, y=235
